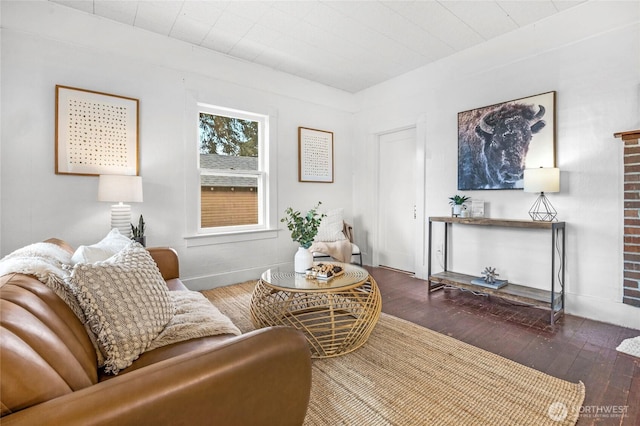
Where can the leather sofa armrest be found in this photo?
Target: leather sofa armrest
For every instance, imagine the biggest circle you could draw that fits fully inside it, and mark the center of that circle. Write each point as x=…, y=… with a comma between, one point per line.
x=167, y=260
x=60, y=243
x=260, y=378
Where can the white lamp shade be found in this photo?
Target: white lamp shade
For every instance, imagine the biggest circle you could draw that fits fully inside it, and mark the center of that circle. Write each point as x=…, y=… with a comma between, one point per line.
x=119, y=188
x=543, y=179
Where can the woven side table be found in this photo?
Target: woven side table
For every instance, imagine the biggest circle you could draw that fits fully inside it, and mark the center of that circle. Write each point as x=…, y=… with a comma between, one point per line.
x=336, y=316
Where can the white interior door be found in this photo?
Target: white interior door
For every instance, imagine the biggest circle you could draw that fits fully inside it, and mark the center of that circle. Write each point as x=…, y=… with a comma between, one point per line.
x=396, y=200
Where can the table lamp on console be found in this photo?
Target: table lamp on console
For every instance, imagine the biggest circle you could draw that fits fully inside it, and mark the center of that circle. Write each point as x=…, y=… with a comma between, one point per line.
x=120, y=189
x=543, y=179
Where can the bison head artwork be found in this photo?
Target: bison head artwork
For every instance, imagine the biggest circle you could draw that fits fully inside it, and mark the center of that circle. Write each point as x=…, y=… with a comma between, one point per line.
x=498, y=144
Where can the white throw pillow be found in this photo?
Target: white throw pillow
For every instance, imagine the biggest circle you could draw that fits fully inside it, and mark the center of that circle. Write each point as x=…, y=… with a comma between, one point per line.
x=330, y=228
x=102, y=250
x=126, y=303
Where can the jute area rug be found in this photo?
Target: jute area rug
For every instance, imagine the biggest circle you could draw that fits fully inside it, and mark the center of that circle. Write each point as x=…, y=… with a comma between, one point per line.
x=408, y=375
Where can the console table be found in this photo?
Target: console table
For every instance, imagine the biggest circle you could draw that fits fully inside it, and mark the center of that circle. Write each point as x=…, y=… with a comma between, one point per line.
x=552, y=300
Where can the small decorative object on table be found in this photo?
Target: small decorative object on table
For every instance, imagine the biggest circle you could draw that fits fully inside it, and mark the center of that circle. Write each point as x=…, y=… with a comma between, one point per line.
x=490, y=274
x=303, y=231
x=137, y=232
x=489, y=279
x=457, y=202
x=477, y=208
x=324, y=271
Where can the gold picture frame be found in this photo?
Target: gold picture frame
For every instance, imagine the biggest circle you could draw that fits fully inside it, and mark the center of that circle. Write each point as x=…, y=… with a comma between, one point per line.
x=315, y=155
x=96, y=133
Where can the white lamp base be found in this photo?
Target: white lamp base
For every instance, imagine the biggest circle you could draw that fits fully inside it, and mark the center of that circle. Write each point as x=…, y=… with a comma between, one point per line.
x=121, y=218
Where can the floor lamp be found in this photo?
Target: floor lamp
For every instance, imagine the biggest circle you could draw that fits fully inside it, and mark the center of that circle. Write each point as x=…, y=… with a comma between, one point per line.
x=543, y=179
x=120, y=189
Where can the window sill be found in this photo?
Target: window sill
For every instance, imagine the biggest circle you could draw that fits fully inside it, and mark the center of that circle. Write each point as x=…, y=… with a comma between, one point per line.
x=199, y=240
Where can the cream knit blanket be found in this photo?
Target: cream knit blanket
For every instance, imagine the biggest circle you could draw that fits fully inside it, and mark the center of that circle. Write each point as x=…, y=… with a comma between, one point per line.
x=195, y=316
x=340, y=250
x=46, y=262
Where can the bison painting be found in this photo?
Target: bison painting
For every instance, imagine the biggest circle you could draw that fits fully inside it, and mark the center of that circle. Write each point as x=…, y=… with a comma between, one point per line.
x=493, y=143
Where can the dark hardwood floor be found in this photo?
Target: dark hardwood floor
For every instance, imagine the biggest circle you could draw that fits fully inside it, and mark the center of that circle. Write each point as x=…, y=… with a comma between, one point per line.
x=574, y=349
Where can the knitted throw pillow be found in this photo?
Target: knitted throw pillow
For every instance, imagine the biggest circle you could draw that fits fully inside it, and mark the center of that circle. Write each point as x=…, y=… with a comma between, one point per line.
x=126, y=303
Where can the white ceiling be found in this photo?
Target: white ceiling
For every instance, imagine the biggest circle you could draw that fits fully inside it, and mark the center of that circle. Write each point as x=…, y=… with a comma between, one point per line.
x=349, y=45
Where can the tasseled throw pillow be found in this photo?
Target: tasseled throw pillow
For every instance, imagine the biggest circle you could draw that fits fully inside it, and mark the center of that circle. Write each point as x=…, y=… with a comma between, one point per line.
x=125, y=301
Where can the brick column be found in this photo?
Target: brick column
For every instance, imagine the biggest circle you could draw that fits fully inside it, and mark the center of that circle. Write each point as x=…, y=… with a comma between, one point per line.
x=631, y=286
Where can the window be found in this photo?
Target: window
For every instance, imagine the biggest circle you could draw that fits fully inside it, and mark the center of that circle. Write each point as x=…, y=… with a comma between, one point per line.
x=233, y=166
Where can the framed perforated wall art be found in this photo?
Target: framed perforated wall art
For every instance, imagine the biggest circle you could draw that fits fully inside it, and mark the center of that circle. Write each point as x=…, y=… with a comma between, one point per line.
x=315, y=155
x=96, y=133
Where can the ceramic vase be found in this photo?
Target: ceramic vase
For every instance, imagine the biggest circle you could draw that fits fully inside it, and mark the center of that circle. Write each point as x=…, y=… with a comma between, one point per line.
x=303, y=260
x=457, y=209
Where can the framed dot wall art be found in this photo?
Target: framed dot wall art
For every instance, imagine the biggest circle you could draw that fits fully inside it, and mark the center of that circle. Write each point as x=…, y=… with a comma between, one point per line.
x=96, y=133
x=315, y=155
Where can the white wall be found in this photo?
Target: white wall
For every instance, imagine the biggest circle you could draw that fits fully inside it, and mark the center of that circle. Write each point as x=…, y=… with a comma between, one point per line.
x=590, y=56
x=44, y=44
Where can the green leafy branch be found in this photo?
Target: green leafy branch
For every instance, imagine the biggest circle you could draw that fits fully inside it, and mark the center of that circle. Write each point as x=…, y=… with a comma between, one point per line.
x=303, y=227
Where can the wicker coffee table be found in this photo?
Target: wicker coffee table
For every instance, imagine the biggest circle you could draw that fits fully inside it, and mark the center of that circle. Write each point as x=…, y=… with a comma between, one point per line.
x=336, y=316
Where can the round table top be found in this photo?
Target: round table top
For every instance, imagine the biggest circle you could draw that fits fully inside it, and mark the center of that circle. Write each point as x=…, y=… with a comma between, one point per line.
x=286, y=279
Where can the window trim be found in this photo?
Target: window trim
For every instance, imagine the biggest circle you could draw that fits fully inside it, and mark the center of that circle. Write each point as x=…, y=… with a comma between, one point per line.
x=230, y=237
x=261, y=173
x=197, y=236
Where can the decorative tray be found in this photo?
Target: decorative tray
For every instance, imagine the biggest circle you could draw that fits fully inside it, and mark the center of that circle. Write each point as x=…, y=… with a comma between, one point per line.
x=324, y=271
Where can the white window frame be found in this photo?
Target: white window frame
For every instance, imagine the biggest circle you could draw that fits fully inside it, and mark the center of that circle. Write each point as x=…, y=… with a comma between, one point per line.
x=266, y=227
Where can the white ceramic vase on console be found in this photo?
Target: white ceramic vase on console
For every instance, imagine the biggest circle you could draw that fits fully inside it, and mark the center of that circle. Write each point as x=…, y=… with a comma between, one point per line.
x=303, y=260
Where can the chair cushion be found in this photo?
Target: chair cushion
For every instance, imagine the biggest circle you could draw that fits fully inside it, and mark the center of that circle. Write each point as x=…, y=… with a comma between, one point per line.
x=355, y=249
x=125, y=301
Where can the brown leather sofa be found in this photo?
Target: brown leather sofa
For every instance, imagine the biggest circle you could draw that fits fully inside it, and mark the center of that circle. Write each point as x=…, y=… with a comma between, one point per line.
x=49, y=374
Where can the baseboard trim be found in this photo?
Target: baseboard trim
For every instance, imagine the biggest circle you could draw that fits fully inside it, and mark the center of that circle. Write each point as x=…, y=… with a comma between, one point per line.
x=402, y=271
x=602, y=310
x=207, y=282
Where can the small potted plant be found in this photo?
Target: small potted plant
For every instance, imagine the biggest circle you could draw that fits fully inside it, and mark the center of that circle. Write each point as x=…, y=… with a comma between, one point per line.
x=303, y=230
x=457, y=202
x=137, y=232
